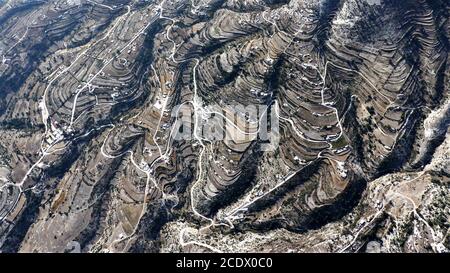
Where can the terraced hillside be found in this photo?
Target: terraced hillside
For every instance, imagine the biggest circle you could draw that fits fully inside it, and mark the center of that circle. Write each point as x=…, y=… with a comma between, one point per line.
x=224, y=126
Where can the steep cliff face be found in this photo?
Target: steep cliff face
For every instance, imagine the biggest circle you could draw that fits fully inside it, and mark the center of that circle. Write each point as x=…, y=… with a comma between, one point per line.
x=215, y=125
